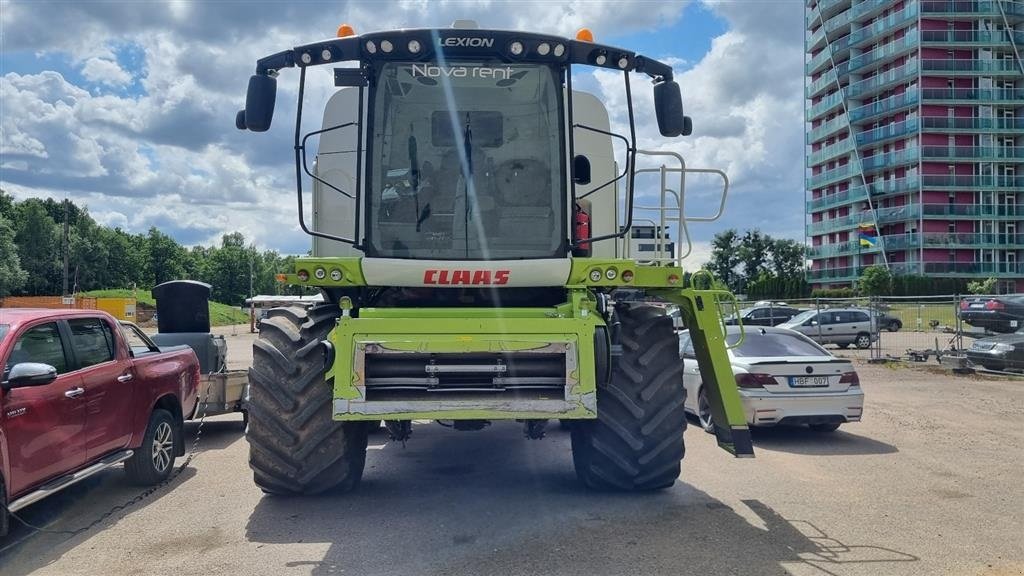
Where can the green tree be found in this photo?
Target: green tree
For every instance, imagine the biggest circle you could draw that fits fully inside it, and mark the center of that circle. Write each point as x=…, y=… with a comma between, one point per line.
x=166, y=258
x=986, y=286
x=788, y=260
x=754, y=253
x=39, y=247
x=12, y=277
x=725, y=258
x=875, y=281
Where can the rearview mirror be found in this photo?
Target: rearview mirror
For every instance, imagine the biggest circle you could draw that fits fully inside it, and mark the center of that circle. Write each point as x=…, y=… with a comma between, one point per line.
x=27, y=374
x=259, y=104
x=581, y=169
x=668, y=107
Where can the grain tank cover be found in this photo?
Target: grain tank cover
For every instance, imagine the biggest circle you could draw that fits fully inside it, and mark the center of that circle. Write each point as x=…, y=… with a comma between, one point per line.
x=182, y=306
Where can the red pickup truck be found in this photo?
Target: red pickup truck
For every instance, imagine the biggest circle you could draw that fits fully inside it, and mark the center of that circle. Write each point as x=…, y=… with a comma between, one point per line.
x=78, y=396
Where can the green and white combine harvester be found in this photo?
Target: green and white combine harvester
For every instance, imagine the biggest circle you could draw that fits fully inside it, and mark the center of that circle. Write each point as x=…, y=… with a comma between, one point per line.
x=470, y=230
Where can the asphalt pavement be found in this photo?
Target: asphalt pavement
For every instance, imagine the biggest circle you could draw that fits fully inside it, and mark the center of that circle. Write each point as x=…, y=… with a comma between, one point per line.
x=929, y=484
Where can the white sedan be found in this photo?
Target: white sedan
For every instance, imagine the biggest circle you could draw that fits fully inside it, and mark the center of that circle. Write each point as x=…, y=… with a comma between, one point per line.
x=783, y=377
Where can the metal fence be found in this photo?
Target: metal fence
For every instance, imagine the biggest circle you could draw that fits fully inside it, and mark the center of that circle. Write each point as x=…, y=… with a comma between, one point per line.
x=912, y=329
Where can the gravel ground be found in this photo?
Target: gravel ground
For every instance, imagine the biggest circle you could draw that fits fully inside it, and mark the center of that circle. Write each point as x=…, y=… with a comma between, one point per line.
x=929, y=484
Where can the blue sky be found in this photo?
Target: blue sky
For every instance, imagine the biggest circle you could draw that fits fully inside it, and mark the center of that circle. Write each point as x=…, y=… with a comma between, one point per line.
x=128, y=106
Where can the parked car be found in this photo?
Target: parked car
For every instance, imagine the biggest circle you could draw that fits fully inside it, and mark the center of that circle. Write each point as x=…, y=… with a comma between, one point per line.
x=1002, y=352
x=764, y=315
x=783, y=378
x=839, y=326
x=886, y=321
x=996, y=313
x=76, y=398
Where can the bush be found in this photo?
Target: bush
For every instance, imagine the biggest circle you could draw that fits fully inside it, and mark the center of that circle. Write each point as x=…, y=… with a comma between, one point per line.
x=875, y=281
x=986, y=286
x=832, y=293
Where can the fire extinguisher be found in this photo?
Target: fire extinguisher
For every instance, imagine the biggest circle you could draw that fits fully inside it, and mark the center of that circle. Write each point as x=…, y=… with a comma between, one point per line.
x=582, y=230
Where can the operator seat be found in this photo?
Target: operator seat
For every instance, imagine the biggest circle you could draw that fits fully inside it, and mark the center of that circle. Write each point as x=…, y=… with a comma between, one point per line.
x=451, y=195
x=524, y=190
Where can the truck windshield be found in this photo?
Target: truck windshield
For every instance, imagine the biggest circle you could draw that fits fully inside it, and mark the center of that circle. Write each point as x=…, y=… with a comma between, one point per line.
x=467, y=162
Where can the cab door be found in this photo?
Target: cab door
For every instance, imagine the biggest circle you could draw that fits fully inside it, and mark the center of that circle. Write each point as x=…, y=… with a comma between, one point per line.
x=44, y=425
x=108, y=379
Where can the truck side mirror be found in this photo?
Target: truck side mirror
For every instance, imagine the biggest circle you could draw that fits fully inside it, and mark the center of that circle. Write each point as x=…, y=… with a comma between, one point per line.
x=259, y=104
x=668, y=107
x=581, y=169
x=27, y=374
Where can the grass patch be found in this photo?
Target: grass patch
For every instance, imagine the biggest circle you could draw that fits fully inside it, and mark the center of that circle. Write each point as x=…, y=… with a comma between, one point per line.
x=220, y=314
x=920, y=316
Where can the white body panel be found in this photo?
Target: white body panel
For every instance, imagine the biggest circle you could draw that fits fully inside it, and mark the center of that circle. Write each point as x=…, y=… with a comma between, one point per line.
x=466, y=273
x=590, y=111
x=334, y=213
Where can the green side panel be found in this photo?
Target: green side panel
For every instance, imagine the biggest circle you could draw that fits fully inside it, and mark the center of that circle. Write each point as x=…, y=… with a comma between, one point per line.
x=461, y=330
x=350, y=268
x=702, y=313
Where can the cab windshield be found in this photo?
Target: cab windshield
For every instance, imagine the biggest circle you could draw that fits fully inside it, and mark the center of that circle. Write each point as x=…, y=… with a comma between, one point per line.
x=467, y=162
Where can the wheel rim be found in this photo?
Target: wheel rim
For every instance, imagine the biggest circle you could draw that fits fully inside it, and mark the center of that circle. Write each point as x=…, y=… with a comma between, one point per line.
x=163, y=443
x=863, y=342
x=703, y=410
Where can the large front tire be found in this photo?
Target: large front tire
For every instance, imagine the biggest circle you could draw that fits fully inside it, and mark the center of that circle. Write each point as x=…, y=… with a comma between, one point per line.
x=636, y=442
x=294, y=445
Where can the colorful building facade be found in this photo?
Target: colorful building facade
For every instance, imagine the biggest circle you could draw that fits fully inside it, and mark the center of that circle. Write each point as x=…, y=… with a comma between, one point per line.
x=915, y=139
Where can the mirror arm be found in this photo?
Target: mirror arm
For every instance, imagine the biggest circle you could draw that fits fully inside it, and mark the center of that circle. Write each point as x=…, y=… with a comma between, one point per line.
x=269, y=65
x=658, y=71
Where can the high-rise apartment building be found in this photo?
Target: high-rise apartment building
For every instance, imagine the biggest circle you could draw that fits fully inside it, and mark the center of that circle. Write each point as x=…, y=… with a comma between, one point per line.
x=915, y=139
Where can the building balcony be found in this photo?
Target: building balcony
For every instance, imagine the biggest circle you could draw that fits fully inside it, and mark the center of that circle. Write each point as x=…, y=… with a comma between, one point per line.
x=971, y=66
x=837, y=224
x=953, y=183
x=821, y=61
x=883, y=81
x=825, y=82
x=848, y=274
x=1014, y=154
x=981, y=95
x=855, y=194
x=888, y=160
x=831, y=152
x=868, y=9
x=833, y=126
x=897, y=213
x=873, y=59
x=830, y=8
x=886, y=26
x=860, y=193
x=971, y=38
x=955, y=240
x=830, y=176
x=869, y=112
x=970, y=9
x=972, y=124
x=837, y=249
x=1002, y=212
x=982, y=269
x=828, y=105
x=888, y=132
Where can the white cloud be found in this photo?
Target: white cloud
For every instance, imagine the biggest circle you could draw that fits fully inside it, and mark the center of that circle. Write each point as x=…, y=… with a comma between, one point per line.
x=170, y=156
x=104, y=71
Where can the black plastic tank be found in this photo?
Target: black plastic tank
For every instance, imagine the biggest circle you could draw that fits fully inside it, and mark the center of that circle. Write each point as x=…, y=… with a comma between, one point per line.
x=182, y=306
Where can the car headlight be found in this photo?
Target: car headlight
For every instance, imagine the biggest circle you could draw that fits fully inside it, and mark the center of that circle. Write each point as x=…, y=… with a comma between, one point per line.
x=1003, y=347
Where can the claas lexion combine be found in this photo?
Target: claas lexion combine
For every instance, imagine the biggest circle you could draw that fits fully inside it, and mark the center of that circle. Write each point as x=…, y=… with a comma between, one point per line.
x=468, y=241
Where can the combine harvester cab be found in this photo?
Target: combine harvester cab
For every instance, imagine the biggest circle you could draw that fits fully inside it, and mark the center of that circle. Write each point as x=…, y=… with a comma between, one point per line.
x=471, y=237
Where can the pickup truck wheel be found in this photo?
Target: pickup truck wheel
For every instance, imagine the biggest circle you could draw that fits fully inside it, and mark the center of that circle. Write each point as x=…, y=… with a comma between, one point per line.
x=295, y=447
x=636, y=442
x=153, y=461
